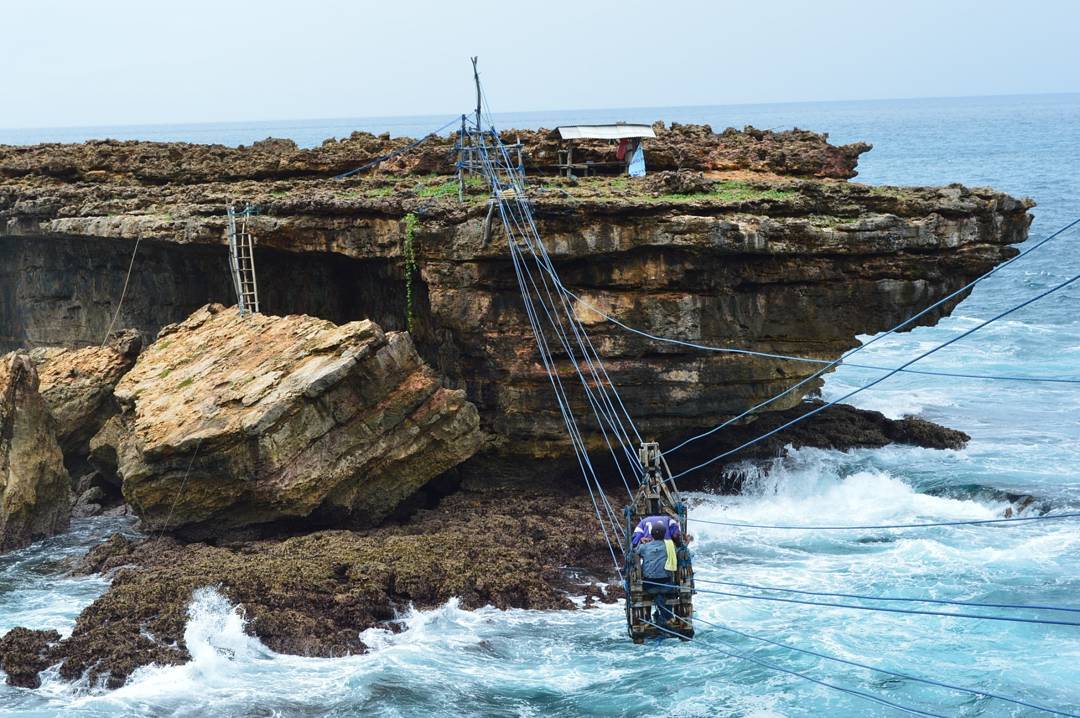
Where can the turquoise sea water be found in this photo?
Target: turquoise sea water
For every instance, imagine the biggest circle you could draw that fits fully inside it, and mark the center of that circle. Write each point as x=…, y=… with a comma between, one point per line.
x=520, y=663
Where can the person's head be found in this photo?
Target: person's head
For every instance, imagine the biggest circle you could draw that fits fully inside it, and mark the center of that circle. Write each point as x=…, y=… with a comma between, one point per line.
x=658, y=532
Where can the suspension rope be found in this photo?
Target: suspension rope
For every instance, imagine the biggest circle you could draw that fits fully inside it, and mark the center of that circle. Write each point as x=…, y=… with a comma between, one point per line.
x=877, y=381
x=588, y=393
x=807, y=360
x=607, y=407
x=775, y=667
x=400, y=150
x=555, y=379
x=903, y=324
x=885, y=609
x=577, y=441
x=602, y=408
x=539, y=251
x=891, y=598
x=598, y=408
x=582, y=457
x=533, y=241
x=516, y=216
x=123, y=293
x=973, y=522
x=587, y=351
x=884, y=671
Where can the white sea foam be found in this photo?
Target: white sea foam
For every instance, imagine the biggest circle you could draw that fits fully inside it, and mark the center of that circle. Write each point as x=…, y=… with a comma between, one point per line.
x=813, y=486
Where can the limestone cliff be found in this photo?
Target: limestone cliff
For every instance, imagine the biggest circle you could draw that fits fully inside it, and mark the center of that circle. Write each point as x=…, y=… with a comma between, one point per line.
x=768, y=249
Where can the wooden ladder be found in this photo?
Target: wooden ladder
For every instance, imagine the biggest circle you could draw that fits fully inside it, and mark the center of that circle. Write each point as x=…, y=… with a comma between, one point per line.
x=242, y=262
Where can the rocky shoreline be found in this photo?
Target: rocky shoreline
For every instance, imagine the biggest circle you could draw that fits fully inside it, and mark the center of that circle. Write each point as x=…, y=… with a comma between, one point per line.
x=323, y=467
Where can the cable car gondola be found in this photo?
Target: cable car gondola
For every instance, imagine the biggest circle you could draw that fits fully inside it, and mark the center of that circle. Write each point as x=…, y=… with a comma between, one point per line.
x=657, y=496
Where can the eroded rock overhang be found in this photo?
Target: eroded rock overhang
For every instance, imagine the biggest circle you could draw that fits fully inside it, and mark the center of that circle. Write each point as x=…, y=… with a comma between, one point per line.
x=790, y=263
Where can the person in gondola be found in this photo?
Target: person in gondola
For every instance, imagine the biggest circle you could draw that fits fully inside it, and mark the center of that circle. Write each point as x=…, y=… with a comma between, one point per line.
x=657, y=567
x=643, y=531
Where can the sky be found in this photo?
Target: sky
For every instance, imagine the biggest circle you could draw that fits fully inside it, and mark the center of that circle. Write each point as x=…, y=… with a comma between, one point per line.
x=118, y=62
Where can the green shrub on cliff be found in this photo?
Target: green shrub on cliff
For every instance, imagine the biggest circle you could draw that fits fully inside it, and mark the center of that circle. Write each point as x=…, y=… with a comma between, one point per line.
x=408, y=252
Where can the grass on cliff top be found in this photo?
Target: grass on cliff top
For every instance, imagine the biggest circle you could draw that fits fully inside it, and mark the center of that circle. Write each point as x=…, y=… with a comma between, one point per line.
x=449, y=187
x=730, y=191
x=722, y=191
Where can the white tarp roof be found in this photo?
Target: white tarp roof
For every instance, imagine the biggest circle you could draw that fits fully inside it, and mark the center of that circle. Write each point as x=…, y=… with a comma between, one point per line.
x=617, y=131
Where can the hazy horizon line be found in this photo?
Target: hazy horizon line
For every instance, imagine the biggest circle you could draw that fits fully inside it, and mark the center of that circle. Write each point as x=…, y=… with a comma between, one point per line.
x=538, y=111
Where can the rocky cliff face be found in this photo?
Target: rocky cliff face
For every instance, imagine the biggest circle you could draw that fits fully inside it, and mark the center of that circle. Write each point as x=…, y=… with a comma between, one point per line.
x=35, y=490
x=229, y=422
x=767, y=250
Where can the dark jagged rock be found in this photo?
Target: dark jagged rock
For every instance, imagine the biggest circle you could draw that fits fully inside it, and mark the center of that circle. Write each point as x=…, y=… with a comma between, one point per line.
x=840, y=427
x=845, y=427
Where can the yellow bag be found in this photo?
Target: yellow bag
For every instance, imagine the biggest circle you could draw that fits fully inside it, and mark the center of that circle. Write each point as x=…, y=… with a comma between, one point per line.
x=672, y=562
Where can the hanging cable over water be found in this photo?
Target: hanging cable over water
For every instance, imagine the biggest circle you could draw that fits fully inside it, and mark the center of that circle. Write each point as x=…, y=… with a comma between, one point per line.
x=516, y=218
x=905, y=599
x=806, y=360
x=884, y=671
x=864, y=387
x=970, y=522
x=780, y=669
x=539, y=251
x=556, y=383
x=885, y=609
x=881, y=336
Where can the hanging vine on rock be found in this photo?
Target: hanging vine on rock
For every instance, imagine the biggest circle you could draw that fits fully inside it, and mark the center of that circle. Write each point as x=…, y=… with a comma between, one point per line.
x=409, y=254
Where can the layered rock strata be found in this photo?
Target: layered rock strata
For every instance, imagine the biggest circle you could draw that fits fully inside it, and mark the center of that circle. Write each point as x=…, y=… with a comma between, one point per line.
x=777, y=256
x=230, y=421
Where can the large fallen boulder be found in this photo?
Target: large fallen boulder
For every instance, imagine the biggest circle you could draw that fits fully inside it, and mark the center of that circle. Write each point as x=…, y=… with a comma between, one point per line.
x=230, y=422
x=77, y=385
x=35, y=490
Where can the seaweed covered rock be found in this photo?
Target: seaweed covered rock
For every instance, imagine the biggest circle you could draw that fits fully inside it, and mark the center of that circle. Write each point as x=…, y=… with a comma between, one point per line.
x=24, y=653
x=314, y=594
x=35, y=489
x=230, y=422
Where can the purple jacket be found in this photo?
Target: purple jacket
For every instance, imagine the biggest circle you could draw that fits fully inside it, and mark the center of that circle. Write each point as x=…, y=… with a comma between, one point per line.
x=644, y=528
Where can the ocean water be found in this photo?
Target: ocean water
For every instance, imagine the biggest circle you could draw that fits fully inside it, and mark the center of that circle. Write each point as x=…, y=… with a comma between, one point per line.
x=1025, y=440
